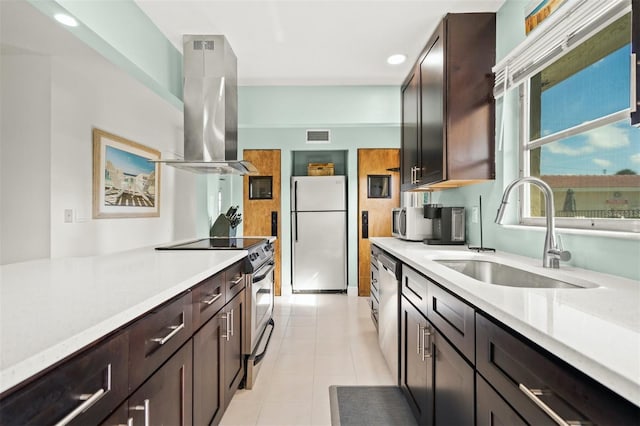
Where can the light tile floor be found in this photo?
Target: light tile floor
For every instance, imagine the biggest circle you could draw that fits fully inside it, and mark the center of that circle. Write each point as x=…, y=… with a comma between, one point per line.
x=319, y=340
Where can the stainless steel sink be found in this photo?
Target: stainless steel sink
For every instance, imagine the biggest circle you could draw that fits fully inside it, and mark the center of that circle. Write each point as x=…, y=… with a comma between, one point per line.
x=498, y=274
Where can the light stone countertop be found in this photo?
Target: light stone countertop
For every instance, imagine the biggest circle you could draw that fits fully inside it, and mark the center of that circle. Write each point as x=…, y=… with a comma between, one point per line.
x=51, y=308
x=596, y=330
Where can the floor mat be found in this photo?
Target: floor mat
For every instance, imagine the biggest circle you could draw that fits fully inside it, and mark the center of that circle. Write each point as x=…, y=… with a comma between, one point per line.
x=369, y=405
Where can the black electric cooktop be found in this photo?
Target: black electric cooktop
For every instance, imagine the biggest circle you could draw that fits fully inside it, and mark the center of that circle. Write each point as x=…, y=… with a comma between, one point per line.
x=217, y=243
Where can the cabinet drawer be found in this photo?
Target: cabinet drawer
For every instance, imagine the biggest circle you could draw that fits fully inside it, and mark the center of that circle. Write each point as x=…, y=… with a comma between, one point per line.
x=234, y=280
x=83, y=390
x=515, y=366
x=414, y=288
x=208, y=298
x=454, y=318
x=156, y=336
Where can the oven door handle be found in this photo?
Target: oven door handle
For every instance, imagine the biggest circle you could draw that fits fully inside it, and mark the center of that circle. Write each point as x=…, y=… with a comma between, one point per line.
x=260, y=275
x=261, y=355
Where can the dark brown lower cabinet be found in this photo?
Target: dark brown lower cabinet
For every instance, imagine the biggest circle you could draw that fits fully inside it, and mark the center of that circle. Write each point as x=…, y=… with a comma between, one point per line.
x=453, y=384
x=415, y=368
x=234, y=313
x=166, y=397
x=208, y=390
x=491, y=409
x=435, y=378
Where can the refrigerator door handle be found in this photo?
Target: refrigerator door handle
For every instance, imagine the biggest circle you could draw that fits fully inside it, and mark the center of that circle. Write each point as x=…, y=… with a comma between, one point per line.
x=295, y=219
x=295, y=197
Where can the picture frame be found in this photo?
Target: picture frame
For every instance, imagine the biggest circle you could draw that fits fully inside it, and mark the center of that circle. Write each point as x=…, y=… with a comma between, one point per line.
x=125, y=183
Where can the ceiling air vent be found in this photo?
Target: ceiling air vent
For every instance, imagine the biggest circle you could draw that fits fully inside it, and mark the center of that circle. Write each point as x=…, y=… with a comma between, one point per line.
x=318, y=136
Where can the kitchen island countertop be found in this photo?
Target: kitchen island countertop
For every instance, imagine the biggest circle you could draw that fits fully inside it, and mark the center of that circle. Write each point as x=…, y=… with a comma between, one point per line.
x=596, y=330
x=51, y=308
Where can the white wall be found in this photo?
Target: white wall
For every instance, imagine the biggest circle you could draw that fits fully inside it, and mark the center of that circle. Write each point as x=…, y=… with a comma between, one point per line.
x=47, y=158
x=24, y=165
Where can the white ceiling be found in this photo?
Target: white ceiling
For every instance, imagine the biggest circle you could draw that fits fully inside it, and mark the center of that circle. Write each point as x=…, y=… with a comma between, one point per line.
x=312, y=42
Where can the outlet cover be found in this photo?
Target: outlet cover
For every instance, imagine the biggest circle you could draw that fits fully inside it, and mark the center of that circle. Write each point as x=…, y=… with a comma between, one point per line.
x=68, y=215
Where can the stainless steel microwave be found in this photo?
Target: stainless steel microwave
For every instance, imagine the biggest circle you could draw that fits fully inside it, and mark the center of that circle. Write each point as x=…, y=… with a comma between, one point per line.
x=409, y=223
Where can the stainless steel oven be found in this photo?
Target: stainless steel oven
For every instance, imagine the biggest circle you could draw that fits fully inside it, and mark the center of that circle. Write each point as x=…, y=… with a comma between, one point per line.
x=259, y=293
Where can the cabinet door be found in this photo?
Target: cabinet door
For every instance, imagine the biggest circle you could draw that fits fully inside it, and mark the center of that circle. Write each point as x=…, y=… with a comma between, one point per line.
x=409, y=157
x=165, y=399
x=491, y=409
x=416, y=366
x=432, y=111
x=208, y=392
x=453, y=383
x=234, y=314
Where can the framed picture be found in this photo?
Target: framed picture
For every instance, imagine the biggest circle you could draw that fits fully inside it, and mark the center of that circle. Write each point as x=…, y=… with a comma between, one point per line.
x=125, y=183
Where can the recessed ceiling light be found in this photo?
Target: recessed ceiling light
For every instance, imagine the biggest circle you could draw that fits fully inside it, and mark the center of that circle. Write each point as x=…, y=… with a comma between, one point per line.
x=396, y=59
x=65, y=19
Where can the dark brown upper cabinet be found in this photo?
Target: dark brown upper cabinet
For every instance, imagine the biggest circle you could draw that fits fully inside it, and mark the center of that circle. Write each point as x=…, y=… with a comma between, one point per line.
x=448, y=113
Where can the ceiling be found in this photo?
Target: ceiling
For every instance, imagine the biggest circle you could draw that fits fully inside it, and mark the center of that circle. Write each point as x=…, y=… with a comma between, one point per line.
x=312, y=42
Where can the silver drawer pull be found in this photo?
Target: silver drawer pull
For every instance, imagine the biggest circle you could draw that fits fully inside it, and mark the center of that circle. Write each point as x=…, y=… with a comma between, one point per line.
x=237, y=280
x=213, y=299
x=89, y=400
x=175, y=330
x=533, y=394
x=144, y=408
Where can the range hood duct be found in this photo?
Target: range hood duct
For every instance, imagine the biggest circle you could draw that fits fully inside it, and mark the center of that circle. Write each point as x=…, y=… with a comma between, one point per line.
x=210, y=108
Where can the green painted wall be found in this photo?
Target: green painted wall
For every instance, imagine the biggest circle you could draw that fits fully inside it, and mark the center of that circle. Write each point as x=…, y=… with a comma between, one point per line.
x=358, y=117
x=122, y=33
x=617, y=256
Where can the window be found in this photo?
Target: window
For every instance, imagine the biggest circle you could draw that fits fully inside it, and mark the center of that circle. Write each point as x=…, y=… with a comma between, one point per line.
x=578, y=137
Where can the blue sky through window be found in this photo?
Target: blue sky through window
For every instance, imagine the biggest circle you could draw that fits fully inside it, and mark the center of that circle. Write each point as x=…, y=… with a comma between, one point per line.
x=598, y=90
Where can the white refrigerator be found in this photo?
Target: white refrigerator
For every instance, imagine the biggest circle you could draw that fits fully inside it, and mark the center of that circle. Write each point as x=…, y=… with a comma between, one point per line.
x=319, y=233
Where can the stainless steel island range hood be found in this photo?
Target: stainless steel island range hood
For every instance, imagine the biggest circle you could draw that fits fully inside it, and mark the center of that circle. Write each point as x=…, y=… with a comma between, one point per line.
x=210, y=108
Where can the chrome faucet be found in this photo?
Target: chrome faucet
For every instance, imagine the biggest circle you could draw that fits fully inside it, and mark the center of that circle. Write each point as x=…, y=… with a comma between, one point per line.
x=553, y=252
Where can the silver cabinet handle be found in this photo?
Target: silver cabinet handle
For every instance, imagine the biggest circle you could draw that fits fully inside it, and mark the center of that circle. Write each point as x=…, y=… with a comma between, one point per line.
x=427, y=333
x=130, y=421
x=231, y=321
x=175, y=329
x=227, y=332
x=213, y=299
x=419, y=346
x=533, y=394
x=88, y=400
x=144, y=408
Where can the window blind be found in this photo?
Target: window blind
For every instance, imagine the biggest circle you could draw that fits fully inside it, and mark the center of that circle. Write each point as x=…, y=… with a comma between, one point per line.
x=571, y=24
